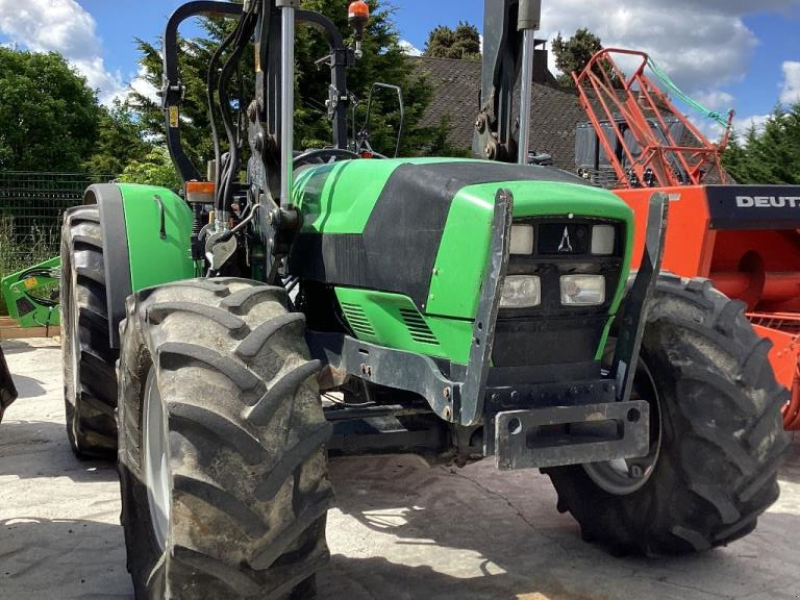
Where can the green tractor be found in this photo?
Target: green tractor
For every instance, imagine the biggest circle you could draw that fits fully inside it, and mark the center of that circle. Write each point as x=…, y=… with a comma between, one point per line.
x=336, y=302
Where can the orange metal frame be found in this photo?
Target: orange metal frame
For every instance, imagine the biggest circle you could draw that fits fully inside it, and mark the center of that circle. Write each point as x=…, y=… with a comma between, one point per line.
x=761, y=268
x=640, y=105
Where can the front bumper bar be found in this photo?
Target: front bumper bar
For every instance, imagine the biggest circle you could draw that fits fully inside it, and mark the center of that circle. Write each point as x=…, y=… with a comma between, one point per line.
x=554, y=434
x=571, y=435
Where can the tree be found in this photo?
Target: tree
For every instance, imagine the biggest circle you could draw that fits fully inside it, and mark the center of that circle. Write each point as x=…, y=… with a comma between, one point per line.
x=48, y=114
x=769, y=156
x=383, y=61
x=120, y=141
x=463, y=42
x=573, y=54
x=155, y=168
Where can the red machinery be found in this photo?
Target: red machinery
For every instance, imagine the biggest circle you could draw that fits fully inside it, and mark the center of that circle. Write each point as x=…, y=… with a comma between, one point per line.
x=744, y=238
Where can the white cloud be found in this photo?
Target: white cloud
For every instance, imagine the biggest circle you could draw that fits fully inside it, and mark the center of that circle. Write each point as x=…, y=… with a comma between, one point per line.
x=140, y=85
x=715, y=100
x=409, y=49
x=790, y=92
x=741, y=126
x=701, y=45
x=61, y=26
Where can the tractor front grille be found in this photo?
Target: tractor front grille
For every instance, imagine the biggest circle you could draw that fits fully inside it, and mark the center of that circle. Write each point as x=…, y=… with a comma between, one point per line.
x=552, y=333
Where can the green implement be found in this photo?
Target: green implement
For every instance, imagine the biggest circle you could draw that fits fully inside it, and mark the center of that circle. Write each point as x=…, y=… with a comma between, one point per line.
x=31, y=295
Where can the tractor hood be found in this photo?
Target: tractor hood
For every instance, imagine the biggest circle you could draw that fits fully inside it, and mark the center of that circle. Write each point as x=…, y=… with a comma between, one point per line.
x=421, y=229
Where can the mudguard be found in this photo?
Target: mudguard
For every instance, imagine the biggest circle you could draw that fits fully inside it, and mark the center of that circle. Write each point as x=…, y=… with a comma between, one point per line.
x=146, y=241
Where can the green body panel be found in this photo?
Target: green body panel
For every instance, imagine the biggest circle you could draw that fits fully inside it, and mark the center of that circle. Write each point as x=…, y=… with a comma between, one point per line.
x=153, y=260
x=340, y=198
x=393, y=321
x=22, y=291
x=464, y=251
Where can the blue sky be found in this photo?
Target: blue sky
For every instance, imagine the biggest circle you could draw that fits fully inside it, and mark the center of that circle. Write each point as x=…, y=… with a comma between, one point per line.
x=726, y=53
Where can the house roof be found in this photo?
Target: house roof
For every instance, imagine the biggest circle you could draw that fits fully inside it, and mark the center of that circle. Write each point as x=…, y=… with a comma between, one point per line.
x=555, y=112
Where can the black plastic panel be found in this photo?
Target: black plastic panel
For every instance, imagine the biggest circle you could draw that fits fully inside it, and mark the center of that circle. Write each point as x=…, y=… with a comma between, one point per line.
x=398, y=249
x=746, y=207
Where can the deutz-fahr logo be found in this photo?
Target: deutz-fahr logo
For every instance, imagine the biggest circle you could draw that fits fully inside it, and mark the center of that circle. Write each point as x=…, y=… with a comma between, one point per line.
x=768, y=201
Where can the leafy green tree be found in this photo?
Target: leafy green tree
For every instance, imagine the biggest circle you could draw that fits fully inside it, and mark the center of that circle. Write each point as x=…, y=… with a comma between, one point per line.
x=770, y=155
x=155, y=168
x=120, y=141
x=383, y=61
x=463, y=42
x=573, y=54
x=48, y=114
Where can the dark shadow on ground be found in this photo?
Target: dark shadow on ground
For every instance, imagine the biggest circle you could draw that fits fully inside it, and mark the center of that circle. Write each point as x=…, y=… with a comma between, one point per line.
x=790, y=471
x=63, y=559
x=28, y=387
x=379, y=579
x=40, y=449
x=442, y=514
x=12, y=347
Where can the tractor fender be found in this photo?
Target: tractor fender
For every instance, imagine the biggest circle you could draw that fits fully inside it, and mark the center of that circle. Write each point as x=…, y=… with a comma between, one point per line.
x=146, y=242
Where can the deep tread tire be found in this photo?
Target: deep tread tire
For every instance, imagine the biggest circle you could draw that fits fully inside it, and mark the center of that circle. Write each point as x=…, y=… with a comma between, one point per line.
x=246, y=434
x=8, y=392
x=722, y=440
x=90, y=405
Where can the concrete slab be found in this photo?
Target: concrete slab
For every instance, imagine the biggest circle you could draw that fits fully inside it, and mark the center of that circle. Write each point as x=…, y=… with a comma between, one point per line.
x=402, y=531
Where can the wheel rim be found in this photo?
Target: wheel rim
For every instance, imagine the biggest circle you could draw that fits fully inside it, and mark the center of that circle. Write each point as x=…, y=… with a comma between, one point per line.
x=156, y=461
x=75, y=342
x=623, y=477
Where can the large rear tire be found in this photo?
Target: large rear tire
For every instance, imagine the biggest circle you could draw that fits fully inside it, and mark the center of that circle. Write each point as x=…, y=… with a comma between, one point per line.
x=8, y=391
x=224, y=475
x=714, y=468
x=89, y=362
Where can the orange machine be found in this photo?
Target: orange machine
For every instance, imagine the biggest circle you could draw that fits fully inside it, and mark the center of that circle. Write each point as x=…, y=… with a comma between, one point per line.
x=744, y=238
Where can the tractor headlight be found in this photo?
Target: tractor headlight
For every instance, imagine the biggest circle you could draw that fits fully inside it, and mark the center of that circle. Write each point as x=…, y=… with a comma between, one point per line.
x=583, y=290
x=521, y=291
x=604, y=239
x=522, y=239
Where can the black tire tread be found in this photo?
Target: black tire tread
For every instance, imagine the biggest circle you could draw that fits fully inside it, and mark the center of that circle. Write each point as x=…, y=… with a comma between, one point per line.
x=91, y=422
x=252, y=546
x=719, y=397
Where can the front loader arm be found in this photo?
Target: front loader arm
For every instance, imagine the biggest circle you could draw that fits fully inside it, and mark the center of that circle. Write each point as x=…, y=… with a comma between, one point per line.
x=506, y=24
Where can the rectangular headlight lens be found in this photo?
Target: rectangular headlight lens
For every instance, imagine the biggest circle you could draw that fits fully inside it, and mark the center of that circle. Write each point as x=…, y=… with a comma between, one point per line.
x=521, y=291
x=522, y=239
x=583, y=290
x=603, y=240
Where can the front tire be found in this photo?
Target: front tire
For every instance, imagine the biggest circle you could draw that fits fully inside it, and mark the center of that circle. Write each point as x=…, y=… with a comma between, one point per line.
x=88, y=361
x=721, y=442
x=223, y=471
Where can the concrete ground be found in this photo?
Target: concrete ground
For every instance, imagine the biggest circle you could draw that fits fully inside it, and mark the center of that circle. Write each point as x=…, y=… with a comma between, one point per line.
x=401, y=530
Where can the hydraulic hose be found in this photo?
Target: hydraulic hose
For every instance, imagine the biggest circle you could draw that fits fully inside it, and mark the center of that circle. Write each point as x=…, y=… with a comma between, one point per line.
x=244, y=32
